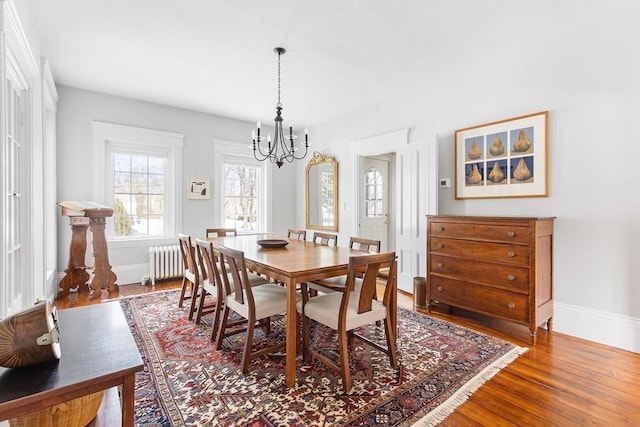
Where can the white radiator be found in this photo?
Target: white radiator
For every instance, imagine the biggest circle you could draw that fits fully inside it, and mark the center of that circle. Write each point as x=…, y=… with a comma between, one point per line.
x=165, y=262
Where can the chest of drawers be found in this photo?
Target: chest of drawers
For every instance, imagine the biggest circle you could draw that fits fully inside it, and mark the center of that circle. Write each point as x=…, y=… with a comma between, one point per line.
x=496, y=266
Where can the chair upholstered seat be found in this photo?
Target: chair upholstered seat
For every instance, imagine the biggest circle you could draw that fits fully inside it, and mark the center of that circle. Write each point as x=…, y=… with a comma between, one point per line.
x=270, y=300
x=326, y=310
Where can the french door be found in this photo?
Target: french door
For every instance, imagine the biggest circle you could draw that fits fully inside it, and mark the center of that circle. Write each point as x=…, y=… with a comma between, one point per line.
x=12, y=280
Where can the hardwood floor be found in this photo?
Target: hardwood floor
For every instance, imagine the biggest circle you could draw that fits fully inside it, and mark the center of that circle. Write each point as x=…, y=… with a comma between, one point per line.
x=562, y=381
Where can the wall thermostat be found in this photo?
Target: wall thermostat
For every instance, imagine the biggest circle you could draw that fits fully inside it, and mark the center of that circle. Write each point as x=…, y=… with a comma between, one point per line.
x=445, y=182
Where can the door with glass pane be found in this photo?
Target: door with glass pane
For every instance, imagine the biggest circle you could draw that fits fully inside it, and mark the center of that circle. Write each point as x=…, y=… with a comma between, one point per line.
x=374, y=210
x=12, y=280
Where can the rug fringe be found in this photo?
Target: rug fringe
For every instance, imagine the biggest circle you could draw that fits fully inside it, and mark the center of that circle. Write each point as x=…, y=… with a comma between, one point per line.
x=445, y=409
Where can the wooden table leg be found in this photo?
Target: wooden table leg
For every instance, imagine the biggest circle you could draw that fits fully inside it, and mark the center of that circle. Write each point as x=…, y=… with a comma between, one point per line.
x=292, y=334
x=128, y=394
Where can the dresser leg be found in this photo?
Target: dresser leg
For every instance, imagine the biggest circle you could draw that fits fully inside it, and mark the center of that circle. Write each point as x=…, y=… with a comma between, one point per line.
x=550, y=324
x=533, y=338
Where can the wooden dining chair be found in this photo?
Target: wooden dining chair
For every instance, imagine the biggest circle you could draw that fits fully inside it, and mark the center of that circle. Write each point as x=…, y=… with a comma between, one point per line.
x=347, y=310
x=294, y=233
x=256, y=304
x=212, y=285
x=220, y=232
x=191, y=276
x=357, y=243
x=366, y=245
x=325, y=239
x=208, y=262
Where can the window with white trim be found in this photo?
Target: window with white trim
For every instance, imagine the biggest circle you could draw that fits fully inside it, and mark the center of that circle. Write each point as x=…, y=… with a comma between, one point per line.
x=242, y=188
x=138, y=172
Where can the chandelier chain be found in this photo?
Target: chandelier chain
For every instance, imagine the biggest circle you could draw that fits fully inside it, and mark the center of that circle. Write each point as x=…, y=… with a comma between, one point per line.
x=279, y=104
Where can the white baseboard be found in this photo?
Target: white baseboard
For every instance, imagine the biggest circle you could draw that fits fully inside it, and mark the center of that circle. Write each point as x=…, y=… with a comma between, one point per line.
x=133, y=273
x=606, y=328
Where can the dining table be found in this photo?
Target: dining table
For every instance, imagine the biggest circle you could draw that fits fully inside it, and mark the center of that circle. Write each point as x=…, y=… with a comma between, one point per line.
x=295, y=262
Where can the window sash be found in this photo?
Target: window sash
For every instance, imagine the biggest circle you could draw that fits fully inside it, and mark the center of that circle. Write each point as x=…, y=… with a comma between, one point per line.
x=236, y=204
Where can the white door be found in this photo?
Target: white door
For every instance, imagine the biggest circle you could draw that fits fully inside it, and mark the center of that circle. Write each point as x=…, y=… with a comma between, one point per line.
x=414, y=195
x=374, y=200
x=417, y=196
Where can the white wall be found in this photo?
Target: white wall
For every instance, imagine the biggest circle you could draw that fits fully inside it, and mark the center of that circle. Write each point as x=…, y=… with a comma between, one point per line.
x=589, y=81
x=77, y=108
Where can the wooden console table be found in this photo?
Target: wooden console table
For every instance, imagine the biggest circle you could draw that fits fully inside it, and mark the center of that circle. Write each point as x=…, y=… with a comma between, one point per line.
x=83, y=215
x=97, y=352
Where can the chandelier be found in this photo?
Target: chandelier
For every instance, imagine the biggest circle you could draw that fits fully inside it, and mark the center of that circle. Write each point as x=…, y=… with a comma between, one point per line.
x=282, y=147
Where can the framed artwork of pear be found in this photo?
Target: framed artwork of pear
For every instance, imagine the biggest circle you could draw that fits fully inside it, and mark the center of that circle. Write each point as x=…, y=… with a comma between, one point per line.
x=506, y=158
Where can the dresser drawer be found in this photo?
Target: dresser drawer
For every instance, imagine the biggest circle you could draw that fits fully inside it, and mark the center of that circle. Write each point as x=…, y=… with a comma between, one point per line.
x=507, y=277
x=478, y=298
x=480, y=251
x=503, y=233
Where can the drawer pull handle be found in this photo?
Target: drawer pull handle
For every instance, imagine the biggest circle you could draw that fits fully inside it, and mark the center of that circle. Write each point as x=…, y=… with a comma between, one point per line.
x=511, y=254
x=511, y=234
x=440, y=265
x=511, y=277
x=441, y=228
x=440, y=245
x=511, y=306
x=440, y=289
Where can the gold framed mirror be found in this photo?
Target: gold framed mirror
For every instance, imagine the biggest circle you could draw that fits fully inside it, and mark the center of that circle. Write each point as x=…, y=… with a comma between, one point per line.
x=321, y=192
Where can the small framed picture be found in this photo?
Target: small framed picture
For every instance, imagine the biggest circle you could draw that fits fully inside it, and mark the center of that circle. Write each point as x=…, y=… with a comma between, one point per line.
x=198, y=188
x=508, y=158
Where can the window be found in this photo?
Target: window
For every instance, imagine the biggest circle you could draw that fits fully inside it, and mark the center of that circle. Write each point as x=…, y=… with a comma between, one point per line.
x=139, y=183
x=373, y=193
x=241, y=188
x=138, y=172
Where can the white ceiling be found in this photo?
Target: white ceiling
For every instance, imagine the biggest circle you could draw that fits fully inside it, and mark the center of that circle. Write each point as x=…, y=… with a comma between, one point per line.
x=217, y=56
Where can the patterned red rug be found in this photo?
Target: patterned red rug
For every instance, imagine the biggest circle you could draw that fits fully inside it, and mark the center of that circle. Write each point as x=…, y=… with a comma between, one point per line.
x=187, y=383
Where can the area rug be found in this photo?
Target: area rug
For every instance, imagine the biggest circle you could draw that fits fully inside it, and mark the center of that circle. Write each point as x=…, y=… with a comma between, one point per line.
x=186, y=382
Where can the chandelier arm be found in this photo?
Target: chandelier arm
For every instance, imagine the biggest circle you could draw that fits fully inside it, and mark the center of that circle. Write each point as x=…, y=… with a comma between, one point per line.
x=269, y=154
